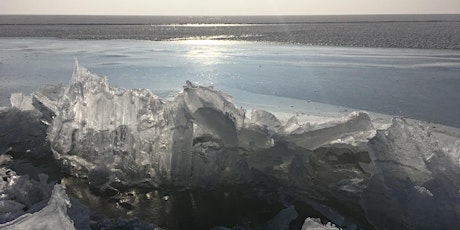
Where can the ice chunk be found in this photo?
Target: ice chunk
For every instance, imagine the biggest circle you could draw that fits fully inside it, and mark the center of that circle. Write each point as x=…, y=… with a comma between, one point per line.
x=311, y=137
x=214, y=111
x=415, y=183
x=131, y=136
x=10, y=210
x=22, y=130
x=45, y=100
x=21, y=101
x=197, y=97
x=315, y=224
x=266, y=119
x=259, y=130
x=53, y=216
x=255, y=137
x=20, y=194
x=26, y=203
x=282, y=220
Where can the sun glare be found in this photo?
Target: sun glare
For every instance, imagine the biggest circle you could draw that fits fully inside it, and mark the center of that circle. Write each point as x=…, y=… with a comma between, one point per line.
x=206, y=42
x=205, y=52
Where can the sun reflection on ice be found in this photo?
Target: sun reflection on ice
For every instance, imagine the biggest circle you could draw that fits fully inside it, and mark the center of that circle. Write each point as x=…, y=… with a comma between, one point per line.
x=210, y=57
x=206, y=52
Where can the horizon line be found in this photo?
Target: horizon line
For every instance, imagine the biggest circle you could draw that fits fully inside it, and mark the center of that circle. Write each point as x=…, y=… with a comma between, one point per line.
x=231, y=15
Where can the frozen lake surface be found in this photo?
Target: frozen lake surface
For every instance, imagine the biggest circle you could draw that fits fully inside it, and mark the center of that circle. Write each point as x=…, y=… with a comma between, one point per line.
x=196, y=160
x=420, y=84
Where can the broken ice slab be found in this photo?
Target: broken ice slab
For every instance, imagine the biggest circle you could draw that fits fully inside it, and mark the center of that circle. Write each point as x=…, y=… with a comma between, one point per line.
x=22, y=131
x=21, y=101
x=415, y=183
x=131, y=134
x=313, y=137
x=52, y=216
x=282, y=220
x=315, y=224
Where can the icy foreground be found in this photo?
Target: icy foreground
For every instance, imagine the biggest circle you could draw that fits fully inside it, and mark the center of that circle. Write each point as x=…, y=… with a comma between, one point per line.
x=31, y=204
x=405, y=176
x=52, y=216
x=131, y=136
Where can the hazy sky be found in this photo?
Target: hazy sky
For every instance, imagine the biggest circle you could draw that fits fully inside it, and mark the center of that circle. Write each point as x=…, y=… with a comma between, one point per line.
x=228, y=7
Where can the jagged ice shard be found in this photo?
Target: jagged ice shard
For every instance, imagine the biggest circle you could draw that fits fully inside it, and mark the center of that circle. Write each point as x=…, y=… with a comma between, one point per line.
x=52, y=216
x=404, y=176
x=132, y=136
x=415, y=178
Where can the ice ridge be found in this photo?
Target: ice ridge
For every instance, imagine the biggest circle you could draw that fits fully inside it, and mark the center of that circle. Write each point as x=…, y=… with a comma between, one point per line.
x=118, y=137
x=131, y=136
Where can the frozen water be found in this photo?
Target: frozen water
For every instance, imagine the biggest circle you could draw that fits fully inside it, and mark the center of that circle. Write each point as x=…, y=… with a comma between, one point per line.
x=126, y=135
x=117, y=137
x=132, y=136
x=406, y=82
x=52, y=216
x=114, y=135
x=414, y=177
x=282, y=219
x=315, y=224
x=311, y=137
x=21, y=101
x=30, y=204
x=22, y=131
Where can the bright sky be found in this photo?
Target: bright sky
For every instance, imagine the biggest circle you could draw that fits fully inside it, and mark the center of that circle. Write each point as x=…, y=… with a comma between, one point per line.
x=228, y=7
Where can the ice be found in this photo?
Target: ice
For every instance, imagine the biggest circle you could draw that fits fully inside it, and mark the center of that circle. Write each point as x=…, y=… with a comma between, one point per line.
x=120, y=137
x=131, y=136
x=315, y=224
x=21, y=101
x=341, y=166
x=414, y=177
x=214, y=111
x=266, y=119
x=52, y=216
x=126, y=135
x=23, y=201
x=27, y=203
x=311, y=137
x=20, y=194
x=113, y=135
x=282, y=219
x=22, y=131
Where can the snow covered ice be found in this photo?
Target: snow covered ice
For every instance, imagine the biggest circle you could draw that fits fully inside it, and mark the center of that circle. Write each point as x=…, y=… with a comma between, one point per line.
x=353, y=170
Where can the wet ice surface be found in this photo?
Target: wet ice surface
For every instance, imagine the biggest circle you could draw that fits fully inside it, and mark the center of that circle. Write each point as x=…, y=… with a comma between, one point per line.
x=183, y=156
x=420, y=84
